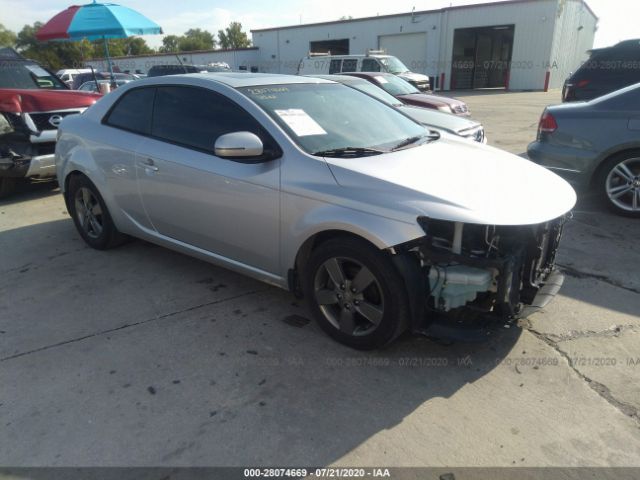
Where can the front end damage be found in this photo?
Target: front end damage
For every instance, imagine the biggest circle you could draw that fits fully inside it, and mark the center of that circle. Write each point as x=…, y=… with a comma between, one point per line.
x=24, y=152
x=466, y=279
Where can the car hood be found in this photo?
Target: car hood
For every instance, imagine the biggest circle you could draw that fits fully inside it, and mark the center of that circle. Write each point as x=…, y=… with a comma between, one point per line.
x=434, y=118
x=427, y=100
x=455, y=180
x=413, y=77
x=19, y=100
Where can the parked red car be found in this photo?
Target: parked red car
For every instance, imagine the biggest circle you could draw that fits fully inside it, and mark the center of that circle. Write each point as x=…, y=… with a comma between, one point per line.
x=33, y=102
x=407, y=93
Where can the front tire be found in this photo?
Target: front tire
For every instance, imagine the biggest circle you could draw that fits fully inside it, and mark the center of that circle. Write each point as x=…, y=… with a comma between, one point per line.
x=619, y=184
x=90, y=215
x=355, y=293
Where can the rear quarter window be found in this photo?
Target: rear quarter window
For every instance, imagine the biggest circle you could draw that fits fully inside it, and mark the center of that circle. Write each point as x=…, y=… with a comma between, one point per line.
x=132, y=112
x=613, y=60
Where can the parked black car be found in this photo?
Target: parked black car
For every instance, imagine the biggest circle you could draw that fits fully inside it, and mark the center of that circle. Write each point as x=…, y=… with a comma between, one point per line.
x=607, y=70
x=81, y=78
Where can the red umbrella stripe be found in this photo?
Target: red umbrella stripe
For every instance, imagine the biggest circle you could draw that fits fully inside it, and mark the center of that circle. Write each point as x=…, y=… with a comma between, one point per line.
x=57, y=27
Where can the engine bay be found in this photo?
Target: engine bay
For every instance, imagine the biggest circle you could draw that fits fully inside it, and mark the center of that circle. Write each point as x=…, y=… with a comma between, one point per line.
x=484, y=270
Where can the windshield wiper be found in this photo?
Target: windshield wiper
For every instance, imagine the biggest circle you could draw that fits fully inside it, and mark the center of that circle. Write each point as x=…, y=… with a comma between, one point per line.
x=433, y=135
x=349, y=152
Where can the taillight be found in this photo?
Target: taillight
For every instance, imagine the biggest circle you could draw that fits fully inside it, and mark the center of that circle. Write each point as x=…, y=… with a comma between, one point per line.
x=547, y=124
x=582, y=83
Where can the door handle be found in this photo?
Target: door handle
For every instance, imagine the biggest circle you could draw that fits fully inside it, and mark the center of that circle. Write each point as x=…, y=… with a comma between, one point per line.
x=149, y=165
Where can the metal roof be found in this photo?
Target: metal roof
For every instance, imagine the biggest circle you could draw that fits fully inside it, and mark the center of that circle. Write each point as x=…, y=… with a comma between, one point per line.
x=173, y=54
x=421, y=12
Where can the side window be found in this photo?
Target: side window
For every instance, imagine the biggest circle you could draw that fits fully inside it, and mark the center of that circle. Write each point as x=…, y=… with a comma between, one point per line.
x=612, y=61
x=334, y=66
x=195, y=117
x=370, y=65
x=349, y=65
x=133, y=111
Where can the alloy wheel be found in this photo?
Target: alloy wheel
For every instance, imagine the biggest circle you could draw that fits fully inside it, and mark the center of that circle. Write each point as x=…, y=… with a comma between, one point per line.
x=88, y=212
x=623, y=185
x=349, y=296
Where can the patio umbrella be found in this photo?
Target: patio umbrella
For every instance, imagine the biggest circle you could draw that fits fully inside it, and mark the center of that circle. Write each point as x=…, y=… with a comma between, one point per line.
x=96, y=21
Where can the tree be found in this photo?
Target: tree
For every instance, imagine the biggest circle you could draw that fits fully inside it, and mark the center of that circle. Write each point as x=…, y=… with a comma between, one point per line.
x=53, y=54
x=27, y=36
x=7, y=37
x=233, y=37
x=58, y=55
x=119, y=47
x=46, y=53
x=196, y=39
x=170, y=44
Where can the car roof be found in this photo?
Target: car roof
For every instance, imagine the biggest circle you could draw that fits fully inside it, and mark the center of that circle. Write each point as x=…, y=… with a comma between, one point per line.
x=239, y=79
x=369, y=74
x=108, y=80
x=173, y=65
x=338, y=78
x=358, y=55
x=632, y=42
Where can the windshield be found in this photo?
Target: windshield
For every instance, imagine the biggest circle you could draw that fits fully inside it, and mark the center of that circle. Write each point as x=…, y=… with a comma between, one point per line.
x=29, y=76
x=322, y=117
x=393, y=65
x=395, y=85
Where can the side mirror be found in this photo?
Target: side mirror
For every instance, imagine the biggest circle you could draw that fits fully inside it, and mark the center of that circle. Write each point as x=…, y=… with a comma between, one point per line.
x=238, y=145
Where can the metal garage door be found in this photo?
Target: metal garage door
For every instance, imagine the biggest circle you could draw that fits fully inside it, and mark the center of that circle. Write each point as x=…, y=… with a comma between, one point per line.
x=411, y=48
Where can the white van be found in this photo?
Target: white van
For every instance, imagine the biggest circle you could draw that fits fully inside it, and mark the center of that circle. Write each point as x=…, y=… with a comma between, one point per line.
x=67, y=74
x=373, y=61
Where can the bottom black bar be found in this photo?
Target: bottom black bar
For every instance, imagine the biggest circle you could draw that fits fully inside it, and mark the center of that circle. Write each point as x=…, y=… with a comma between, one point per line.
x=243, y=473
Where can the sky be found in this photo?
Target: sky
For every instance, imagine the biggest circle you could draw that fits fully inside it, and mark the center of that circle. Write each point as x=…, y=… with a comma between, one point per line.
x=618, y=18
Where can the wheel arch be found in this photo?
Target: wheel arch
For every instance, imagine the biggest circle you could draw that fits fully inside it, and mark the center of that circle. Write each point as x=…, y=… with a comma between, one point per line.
x=627, y=149
x=406, y=265
x=386, y=239
x=64, y=185
x=322, y=221
x=318, y=238
x=74, y=160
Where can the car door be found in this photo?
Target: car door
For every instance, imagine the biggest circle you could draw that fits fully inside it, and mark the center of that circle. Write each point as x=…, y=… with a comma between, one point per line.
x=128, y=123
x=227, y=207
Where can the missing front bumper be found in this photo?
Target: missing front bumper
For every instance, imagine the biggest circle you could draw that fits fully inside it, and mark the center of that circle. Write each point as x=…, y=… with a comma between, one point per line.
x=481, y=327
x=545, y=294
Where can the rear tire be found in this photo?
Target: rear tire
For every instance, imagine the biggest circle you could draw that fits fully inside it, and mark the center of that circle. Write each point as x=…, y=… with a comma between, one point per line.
x=618, y=184
x=355, y=293
x=91, y=216
x=7, y=186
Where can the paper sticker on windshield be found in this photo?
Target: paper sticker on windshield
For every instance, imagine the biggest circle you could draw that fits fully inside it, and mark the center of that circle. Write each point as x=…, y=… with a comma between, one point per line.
x=37, y=71
x=300, y=122
x=381, y=79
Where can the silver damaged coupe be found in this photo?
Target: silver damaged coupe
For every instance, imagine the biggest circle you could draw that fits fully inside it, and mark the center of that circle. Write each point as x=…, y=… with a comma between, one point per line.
x=381, y=224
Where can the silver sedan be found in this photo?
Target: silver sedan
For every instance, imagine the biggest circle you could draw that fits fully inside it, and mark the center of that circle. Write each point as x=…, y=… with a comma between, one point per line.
x=381, y=224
